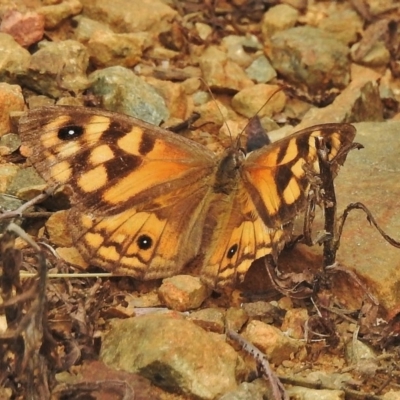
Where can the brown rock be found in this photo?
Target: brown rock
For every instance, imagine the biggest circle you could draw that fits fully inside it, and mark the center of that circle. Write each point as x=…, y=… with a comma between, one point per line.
x=221, y=73
x=174, y=354
x=183, y=292
x=179, y=104
x=57, y=67
x=370, y=176
x=377, y=56
x=278, y=18
x=235, y=318
x=210, y=319
x=262, y=100
x=271, y=341
x=86, y=28
x=126, y=16
x=360, y=101
x=346, y=25
x=125, y=49
x=55, y=14
x=8, y=172
x=11, y=99
x=294, y=322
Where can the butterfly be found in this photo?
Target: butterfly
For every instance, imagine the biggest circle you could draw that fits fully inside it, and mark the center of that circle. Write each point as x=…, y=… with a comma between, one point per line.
x=147, y=202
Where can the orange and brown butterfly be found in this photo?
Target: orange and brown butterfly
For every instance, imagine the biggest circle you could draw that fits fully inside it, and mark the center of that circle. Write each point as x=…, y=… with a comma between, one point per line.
x=147, y=202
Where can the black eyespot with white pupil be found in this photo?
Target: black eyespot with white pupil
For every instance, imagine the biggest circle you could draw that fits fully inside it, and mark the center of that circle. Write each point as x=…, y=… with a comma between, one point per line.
x=232, y=251
x=144, y=242
x=70, y=132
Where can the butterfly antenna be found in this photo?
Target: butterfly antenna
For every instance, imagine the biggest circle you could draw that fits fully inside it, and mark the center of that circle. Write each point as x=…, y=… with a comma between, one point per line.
x=266, y=102
x=216, y=103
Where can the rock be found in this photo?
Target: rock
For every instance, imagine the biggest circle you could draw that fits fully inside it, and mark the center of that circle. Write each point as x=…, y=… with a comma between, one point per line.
x=262, y=309
x=345, y=25
x=235, y=318
x=278, y=18
x=303, y=393
x=377, y=56
x=362, y=357
x=203, y=30
x=256, y=390
x=145, y=300
x=220, y=72
x=40, y=101
x=54, y=14
x=215, y=111
x=183, y=292
x=310, y=57
x=272, y=342
x=14, y=59
x=360, y=101
x=9, y=143
x=26, y=29
x=210, y=319
x=294, y=323
x=85, y=28
x=262, y=100
x=24, y=178
x=8, y=172
x=58, y=67
x=8, y=203
x=92, y=372
x=370, y=176
x=261, y=70
x=391, y=395
x=174, y=354
x=234, y=46
x=11, y=99
x=122, y=91
x=125, y=16
x=125, y=49
x=179, y=105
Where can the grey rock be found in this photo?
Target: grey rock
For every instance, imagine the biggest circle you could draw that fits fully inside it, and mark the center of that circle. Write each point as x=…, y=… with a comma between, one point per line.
x=14, y=59
x=310, y=57
x=261, y=70
x=123, y=91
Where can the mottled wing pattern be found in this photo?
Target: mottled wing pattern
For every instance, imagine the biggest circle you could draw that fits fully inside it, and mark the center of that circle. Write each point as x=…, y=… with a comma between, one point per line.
x=139, y=193
x=275, y=176
x=273, y=189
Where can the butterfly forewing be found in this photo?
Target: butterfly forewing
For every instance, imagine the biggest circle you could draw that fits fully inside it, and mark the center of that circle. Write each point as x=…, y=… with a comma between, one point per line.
x=111, y=162
x=276, y=175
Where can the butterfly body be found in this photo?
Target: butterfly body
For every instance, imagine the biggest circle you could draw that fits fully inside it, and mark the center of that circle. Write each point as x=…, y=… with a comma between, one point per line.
x=147, y=202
